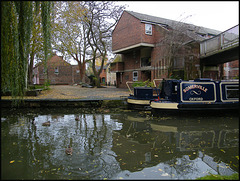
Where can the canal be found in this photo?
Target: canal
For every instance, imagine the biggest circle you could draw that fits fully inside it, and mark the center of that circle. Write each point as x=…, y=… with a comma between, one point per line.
x=116, y=144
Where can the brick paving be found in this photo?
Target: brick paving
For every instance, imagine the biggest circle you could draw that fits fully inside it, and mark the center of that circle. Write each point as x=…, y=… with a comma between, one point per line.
x=78, y=92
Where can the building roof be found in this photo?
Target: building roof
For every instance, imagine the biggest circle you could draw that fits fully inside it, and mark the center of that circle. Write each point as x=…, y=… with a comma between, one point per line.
x=55, y=59
x=172, y=24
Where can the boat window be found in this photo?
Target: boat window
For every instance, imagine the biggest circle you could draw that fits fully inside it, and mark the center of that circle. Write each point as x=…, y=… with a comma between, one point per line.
x=232, y=91
x=174, y=87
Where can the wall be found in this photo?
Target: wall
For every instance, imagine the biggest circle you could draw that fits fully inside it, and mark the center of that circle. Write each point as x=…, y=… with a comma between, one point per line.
x=129, y=31
x=231, y=70
x=66, y=72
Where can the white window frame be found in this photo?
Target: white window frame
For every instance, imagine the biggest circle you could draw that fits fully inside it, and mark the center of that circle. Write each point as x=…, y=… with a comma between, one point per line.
x=56, y=72
x=148, y=29
x=135, y=77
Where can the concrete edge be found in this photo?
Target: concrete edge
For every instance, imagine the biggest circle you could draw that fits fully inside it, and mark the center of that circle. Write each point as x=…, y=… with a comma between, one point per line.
x=38, y=103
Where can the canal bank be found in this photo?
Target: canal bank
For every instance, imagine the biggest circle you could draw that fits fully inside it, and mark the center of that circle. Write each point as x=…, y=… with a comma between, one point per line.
x=73, y=96
x=68, y=103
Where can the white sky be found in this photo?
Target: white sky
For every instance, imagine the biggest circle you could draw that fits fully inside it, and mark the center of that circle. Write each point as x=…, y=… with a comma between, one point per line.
x=217, y=15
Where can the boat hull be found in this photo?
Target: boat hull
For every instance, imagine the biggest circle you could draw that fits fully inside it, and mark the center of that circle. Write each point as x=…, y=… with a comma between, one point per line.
x=166, y=108
x=138, y=104
x=187, y=106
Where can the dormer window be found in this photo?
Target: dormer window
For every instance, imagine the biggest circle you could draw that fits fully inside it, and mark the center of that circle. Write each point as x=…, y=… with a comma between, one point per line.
x=148, y=29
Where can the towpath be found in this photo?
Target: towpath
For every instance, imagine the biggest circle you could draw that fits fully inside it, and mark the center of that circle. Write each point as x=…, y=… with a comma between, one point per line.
x=78, y=92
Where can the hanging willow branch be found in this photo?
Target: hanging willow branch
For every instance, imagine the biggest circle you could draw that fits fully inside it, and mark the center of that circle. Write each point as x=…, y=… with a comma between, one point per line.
x=16, y=26
x=46, y=22
x=10, y=70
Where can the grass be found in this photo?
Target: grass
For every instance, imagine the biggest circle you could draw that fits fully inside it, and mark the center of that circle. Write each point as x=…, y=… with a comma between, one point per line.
x=39, y=87
x=234, y=176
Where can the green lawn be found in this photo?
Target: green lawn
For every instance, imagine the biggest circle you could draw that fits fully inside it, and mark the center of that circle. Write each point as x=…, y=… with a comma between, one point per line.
x=220, y=177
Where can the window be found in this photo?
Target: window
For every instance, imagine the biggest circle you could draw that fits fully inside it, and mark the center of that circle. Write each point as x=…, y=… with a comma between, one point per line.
x=232, y=91
x=135, y=75
x=178, y=62
x=77, y=71
x=146, y=61
x=56, y=70
x=148, y=29
x=145, y=57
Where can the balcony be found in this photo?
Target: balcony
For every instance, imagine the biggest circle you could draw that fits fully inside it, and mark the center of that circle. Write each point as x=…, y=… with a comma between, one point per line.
x=226, y=40
x=117, y=67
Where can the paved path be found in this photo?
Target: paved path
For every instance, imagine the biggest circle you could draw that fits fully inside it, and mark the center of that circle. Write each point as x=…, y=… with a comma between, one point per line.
x=78, y=92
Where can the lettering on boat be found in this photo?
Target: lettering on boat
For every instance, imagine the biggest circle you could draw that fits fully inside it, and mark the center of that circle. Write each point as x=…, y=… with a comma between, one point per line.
x=195, y=99
x=186, y=89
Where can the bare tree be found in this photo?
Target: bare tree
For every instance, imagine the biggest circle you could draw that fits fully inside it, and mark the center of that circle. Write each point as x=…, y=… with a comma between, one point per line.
x=100, y=19
x=175, y=41
x=70, y=33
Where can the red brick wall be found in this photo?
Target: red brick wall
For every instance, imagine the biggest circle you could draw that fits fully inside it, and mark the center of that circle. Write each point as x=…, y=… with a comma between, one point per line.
x=232, y=68
x=126, y=32
x=103, y=75
x=65, y=75
x=76, y=74
x=117, y=66
x=129, y=31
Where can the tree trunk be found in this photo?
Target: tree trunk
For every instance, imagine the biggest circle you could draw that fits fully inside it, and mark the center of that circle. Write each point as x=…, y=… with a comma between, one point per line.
x=30, y=69
x=98, y=82
x=82, y=68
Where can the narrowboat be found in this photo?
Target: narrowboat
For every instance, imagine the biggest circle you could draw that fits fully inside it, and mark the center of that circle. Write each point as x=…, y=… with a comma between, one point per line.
x=200, y=94
x=141, y=97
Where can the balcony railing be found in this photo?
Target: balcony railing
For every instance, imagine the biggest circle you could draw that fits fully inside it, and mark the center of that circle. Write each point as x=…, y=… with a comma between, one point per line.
x=225, y=40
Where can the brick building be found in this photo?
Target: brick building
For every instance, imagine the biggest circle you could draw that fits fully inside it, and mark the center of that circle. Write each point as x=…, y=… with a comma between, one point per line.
x=58, y=72
x=103, y=75
x=231, y=70
x=152, y=47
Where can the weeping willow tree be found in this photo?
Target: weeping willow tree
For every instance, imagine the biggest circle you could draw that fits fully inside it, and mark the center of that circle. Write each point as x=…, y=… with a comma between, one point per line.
x=16, y=26
x=46, y=25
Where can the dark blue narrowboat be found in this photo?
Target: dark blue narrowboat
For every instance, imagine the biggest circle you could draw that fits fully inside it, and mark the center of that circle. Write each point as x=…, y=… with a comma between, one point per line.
x=141, y=97
x=199, y=94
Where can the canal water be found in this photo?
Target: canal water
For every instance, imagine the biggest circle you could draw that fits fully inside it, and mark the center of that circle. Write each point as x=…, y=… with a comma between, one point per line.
x=116, y=144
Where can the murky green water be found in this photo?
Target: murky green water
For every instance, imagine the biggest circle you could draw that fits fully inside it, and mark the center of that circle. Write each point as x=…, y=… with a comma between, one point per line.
x=116, y=144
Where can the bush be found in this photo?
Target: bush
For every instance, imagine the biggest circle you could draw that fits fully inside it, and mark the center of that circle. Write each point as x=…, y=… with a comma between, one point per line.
x=142, y=84
x=234, y=176
x=46, y=85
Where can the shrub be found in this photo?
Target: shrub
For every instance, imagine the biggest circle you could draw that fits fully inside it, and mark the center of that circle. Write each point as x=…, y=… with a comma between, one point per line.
x=142, y=84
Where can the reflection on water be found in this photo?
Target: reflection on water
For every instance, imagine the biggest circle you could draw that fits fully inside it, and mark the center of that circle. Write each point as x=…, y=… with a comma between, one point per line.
x=116, y=145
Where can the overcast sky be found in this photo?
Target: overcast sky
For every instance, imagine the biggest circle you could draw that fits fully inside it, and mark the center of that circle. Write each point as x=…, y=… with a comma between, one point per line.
x=217, y=15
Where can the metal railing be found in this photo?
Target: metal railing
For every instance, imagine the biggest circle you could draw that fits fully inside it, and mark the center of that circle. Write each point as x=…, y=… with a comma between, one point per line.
x=132, y=82
x=225, y=40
